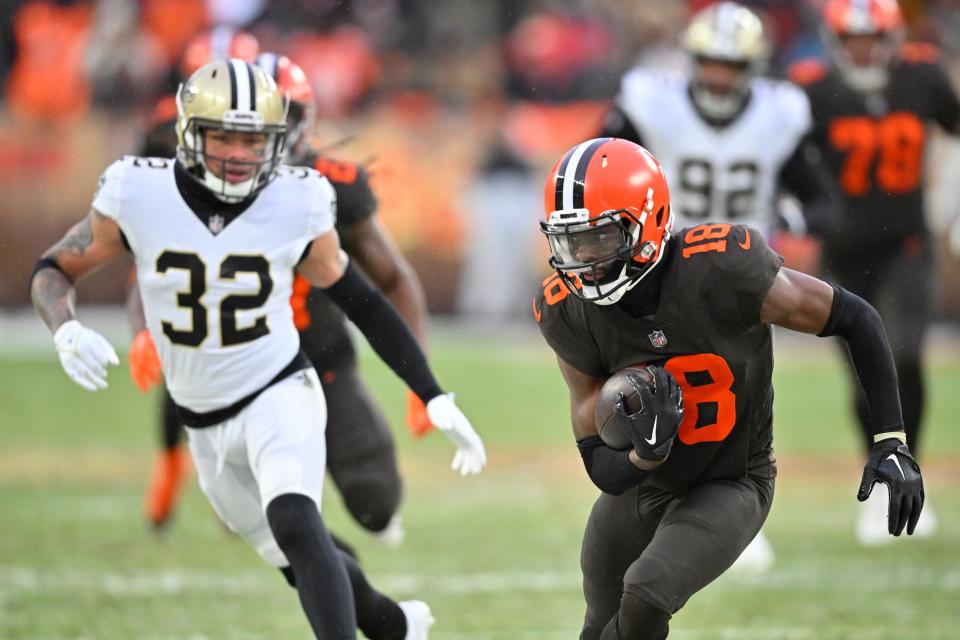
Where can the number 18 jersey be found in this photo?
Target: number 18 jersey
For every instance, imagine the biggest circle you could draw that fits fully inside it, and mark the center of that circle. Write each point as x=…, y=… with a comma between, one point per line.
x=706, y=331
x=717, y=174
x=216, y=287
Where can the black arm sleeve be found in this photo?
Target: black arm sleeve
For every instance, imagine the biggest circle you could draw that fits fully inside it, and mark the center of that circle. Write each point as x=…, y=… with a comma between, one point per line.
x=853, y=319
x=385, y=331
x=805, y=176
x=610, y=470
x=616, y=124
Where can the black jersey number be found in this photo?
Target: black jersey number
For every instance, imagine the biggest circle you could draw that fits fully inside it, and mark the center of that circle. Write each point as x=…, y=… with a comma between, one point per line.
x=698, y=186
x=230, y=333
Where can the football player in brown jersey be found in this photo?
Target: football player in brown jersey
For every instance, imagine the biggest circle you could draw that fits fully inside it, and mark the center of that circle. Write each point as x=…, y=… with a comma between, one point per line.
x=871, y=108
x=680, y=505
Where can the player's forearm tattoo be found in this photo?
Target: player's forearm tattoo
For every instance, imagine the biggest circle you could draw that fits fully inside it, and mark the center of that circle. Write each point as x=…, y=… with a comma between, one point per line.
x=76, y=242
x=53, y=297
x=51, y=291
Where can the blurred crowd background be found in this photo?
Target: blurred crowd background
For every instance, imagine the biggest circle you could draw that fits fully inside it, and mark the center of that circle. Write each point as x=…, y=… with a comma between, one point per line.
x=457, y=108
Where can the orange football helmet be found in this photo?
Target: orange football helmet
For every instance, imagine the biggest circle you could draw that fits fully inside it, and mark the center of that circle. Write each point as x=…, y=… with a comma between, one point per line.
x=608, y=217
x=293, y=84
x=864, y=66
x=219, y=43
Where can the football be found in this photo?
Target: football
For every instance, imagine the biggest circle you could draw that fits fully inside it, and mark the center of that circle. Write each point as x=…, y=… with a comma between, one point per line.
x=607, y=426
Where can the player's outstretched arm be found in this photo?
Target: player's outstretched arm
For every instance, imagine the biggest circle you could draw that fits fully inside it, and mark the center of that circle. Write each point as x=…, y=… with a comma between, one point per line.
x=326, y=266
x=83, y=352
x=804, y=303
x=378, y=256
x=612, y=471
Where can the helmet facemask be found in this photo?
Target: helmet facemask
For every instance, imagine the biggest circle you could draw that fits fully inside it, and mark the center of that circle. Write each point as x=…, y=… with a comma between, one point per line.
x=600, y=259
x=721, y=101
x=193, y=154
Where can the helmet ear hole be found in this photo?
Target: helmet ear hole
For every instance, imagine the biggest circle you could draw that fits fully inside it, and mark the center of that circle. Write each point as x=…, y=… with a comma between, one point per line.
x=660, y=215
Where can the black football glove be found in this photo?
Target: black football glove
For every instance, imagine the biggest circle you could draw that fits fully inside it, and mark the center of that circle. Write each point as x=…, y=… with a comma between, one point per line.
x=890, y=462
x=653, y=427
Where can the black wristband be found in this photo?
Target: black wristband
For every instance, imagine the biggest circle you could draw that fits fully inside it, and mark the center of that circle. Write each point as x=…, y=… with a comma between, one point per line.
x=856, y=321
x=609, y=469
x=47, y=263
x=385, y=330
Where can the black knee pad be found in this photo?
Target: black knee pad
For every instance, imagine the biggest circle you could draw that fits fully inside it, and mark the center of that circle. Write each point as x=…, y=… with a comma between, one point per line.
x=640, y=620
x=294, y=521
x=372, y=501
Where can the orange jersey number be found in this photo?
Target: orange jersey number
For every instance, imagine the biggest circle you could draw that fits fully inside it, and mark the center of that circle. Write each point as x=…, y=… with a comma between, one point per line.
x=894, y=143
x=706, y=380
x=706, y=237
x=342, y=172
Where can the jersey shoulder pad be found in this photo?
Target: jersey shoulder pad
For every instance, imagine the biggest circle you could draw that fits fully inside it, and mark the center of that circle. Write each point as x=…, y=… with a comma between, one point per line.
x=642, y=88
x=112, y=187
x=920, y=53
x=731, y=267
x=321, y=198
x=807, y=71
x=723, y=248
x=790, y=102
x=337, y=171
x=356, y=200
x=562, y=320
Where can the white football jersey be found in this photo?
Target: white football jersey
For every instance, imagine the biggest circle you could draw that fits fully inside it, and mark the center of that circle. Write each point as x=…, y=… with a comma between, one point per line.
x=216, y=298
x=722, y=174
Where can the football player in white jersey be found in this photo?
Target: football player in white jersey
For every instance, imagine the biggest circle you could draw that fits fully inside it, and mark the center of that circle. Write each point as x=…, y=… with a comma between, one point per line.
x=729, y=141
x=216, y=237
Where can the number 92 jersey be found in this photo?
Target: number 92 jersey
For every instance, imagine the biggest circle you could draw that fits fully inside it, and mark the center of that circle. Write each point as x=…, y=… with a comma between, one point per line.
x=706, y=332
x=719, y=174
x=216, y=291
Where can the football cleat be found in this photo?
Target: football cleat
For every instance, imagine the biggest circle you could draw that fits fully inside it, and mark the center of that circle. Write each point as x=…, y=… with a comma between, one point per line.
x=872, y=529
x=169, y=470
x=419, y=619
x=393, y=534
x=757, y=558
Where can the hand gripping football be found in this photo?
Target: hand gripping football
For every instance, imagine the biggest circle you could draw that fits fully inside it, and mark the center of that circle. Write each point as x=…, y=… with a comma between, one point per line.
x=608, y=427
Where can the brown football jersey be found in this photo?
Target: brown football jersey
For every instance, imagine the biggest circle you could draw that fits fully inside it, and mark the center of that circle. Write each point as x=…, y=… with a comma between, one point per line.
x=706, y=331
x=875, y=146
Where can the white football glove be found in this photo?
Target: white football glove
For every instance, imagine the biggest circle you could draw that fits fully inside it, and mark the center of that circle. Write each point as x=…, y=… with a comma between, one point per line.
x=447, y=417
x=84, y=355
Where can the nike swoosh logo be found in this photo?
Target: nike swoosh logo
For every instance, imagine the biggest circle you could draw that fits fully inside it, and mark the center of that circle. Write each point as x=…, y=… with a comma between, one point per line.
x=746, y=243
x=653, y=435
x=897, y=462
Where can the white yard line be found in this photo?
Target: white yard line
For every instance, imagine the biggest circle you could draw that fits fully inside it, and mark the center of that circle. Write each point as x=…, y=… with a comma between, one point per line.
x=832, y=578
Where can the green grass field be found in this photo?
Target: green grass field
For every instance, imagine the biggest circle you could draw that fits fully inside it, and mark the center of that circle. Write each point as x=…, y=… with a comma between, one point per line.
x=496, y=556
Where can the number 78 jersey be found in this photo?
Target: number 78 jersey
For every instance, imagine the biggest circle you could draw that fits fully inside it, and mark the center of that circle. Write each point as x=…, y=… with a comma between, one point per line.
x=706, y=332
x=717, y=174
x=216, y=291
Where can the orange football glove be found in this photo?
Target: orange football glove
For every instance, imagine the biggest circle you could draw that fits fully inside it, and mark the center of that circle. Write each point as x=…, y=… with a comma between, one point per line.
x=144, y=361
x=417, y=419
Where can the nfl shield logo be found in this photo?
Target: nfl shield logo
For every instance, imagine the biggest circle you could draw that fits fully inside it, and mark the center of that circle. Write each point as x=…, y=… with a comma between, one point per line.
x=657, y=339
x=215, y=223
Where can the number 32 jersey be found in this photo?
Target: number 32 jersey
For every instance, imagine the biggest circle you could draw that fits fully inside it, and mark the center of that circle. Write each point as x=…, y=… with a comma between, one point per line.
x=216, y=287
x=706, y=332
x=717, y=174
